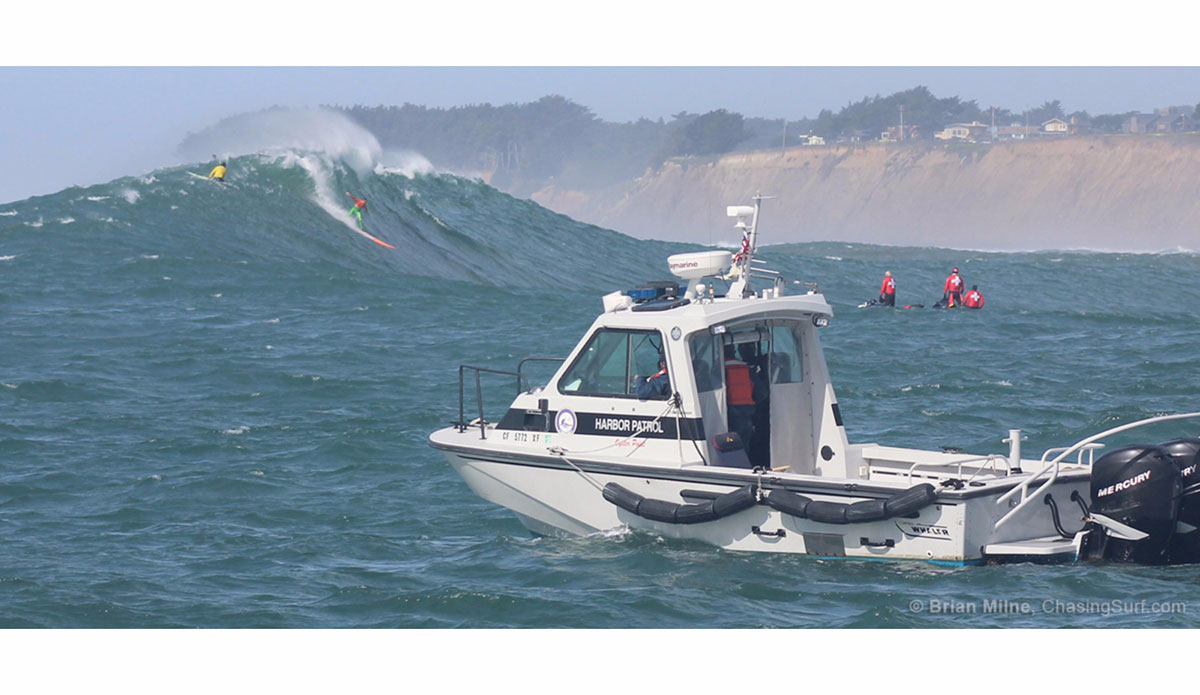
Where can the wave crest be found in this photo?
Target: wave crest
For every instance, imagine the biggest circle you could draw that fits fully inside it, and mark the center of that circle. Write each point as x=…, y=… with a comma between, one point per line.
x=284, y=129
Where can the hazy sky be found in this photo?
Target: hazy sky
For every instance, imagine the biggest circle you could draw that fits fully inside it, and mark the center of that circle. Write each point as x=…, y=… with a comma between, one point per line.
x=63, y=125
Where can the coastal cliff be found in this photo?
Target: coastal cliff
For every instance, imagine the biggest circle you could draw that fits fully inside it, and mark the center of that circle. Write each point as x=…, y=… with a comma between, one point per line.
x=1101, y=192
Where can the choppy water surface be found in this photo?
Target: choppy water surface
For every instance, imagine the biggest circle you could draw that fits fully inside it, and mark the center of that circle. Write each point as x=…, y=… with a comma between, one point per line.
x=214, y=404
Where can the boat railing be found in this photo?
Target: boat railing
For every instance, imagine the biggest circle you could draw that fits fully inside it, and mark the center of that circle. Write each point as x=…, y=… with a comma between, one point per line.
x=462, y=423
x=1089, y=449
x=522, y=385
x=1052, y=467
x=989, y=461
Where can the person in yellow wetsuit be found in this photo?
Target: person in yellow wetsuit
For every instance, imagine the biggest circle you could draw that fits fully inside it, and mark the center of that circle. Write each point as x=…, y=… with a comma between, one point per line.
x=218, y=172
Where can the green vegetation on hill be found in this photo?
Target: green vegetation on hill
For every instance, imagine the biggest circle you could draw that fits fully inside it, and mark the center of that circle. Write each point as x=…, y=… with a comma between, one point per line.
x=553, y=138
x=555, y=141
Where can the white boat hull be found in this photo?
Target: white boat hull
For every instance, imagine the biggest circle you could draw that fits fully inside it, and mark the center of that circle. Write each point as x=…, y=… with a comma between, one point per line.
x=551, y=499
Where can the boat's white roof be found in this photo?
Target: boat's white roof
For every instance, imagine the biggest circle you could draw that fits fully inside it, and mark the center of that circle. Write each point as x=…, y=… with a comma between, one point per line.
x=720, y=311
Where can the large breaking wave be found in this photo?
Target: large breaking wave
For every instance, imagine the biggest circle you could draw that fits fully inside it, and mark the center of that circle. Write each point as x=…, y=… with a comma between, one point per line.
x=285, y=200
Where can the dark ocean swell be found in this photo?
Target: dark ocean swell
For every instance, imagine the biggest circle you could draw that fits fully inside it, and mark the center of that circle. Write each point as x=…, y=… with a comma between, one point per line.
x=214, y=404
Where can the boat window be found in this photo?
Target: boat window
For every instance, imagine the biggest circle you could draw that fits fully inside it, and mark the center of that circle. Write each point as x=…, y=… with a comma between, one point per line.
x=706, y=361
x=611, y=362
x=783, y=364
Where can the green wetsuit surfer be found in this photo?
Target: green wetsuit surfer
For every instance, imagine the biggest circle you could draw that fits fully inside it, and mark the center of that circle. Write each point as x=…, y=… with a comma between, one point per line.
x=357, y=210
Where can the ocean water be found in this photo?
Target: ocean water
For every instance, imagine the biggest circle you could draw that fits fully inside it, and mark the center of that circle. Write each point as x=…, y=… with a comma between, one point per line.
x=214, y=403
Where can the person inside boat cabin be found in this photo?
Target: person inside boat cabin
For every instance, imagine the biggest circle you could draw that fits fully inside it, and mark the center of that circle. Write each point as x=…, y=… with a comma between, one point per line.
x=656, y=387
x=739, y=396
x=758, y=448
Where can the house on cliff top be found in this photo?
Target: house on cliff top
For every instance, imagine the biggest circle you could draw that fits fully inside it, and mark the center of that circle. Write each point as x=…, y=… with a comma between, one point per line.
x=971, y=132
x=1055, y=126
x=1016, y=131
x=1173, y=119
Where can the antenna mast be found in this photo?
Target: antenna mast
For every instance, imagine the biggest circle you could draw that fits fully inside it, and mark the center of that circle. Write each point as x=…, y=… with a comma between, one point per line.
x=740, y=269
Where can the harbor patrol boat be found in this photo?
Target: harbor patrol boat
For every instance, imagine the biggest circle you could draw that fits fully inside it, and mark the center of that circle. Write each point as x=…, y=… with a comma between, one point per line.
x=710, y=415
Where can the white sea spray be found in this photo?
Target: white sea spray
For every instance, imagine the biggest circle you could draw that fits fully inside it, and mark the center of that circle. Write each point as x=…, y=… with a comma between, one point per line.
x=405, y=163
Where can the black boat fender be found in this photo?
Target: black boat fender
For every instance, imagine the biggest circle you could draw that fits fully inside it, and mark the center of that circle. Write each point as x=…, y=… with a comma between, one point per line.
x=866, y=510
x=731, y=503
x=910, y=501
x=789, y=502
x=799, y=506
x=622, y=497
x=901, y=504
x=827, y=512
x=673, y=513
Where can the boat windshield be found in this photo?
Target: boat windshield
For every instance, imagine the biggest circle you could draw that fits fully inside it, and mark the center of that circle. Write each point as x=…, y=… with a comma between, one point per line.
x=611, y=362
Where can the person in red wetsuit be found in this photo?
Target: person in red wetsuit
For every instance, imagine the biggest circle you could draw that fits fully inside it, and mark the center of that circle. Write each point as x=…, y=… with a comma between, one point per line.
x=974, y=298
x=887, y=292
x=360, y=205
x=953, y=290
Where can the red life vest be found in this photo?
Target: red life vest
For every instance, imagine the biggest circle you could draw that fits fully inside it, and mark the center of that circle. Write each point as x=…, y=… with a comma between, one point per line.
x=974, y=300
x=889, y=286
x=738, y=388
x=954, y=283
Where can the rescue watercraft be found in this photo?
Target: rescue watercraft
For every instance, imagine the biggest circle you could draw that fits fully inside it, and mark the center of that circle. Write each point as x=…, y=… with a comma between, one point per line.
x=584, y=453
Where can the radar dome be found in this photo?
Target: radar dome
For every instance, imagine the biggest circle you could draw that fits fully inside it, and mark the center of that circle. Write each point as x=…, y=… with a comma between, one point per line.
x=700, y=264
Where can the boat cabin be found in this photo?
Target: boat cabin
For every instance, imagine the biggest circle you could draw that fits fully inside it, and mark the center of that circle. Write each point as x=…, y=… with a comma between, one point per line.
x=701, y=379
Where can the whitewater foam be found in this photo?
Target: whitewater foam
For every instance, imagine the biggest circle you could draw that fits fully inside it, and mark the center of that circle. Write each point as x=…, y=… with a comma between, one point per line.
x=130, y=195
x=319, y=169
x=282, y=130
x=405, y=163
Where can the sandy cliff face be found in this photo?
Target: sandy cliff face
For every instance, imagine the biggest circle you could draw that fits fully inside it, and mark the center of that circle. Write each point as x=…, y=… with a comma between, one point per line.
x=1111, y=192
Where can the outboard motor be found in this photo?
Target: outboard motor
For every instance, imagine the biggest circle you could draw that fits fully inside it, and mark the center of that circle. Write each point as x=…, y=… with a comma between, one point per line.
x=1185, y=546
x=1137, y=486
